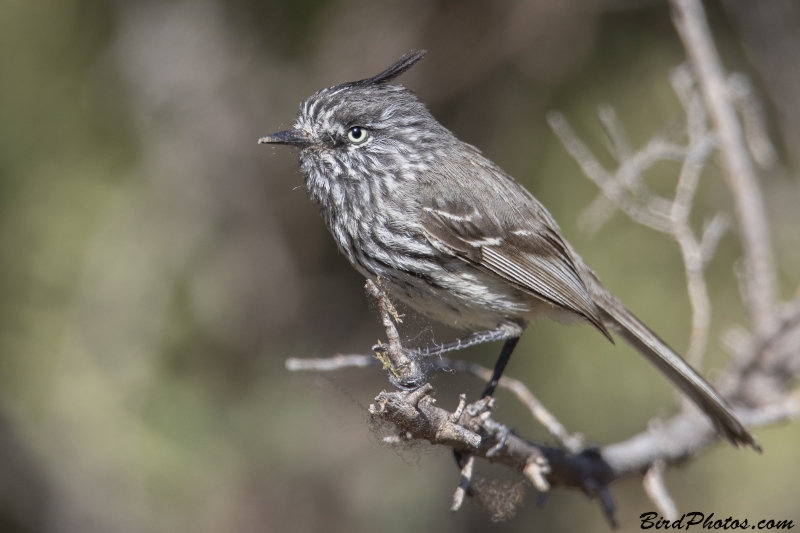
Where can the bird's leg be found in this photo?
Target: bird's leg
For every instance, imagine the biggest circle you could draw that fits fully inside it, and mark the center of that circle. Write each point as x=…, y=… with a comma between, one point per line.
x=502, y=333
x=500, y=365
x=470, y=340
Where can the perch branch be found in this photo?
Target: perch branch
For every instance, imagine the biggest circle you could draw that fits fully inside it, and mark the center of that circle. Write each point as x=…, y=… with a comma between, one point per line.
x=571, y=442
x=472, y=431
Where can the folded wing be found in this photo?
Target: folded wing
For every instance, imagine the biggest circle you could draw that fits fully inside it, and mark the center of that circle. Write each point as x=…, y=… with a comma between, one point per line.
x=497, y=226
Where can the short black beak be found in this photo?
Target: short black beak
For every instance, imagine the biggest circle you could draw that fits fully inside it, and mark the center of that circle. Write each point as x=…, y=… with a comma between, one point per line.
x=290, y=137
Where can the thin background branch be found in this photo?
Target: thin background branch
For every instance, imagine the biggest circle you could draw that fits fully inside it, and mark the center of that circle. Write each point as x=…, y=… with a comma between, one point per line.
x=690, y=21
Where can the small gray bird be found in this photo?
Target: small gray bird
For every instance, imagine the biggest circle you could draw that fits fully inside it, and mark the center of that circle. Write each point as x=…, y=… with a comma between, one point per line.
x=452, y=235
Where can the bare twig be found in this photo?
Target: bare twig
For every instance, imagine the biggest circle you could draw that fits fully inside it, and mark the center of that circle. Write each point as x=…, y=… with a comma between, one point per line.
x=405, y=371
x=627, y=190
x=767, y=355
x=326, y=364
x=694, y=259
x=463, y=484
x=753, y=121
x=690, y=21
x=620, y=146
x=712, y=234
x=656, y=490
x=623, y=188
x=535, y=471
x=573, y=443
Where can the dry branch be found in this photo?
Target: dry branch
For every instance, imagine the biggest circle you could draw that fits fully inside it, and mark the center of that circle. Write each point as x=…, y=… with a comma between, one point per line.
x=690, y=21
x=626, y=189
x=570, y=442
x=472, y=432
x=657, y=491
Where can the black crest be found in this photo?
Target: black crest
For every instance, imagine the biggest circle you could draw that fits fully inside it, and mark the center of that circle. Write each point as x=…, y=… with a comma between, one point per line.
x=397, y=68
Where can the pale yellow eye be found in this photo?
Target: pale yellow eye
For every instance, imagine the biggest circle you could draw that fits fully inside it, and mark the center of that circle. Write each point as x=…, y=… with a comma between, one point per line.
x=357, y=135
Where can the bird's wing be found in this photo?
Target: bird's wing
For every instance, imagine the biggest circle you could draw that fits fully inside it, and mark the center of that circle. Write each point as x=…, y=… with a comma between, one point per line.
x=472, y=210
x=488, y=220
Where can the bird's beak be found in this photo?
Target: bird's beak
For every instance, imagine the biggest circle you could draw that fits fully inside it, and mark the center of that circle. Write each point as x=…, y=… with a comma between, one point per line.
x=290, y=137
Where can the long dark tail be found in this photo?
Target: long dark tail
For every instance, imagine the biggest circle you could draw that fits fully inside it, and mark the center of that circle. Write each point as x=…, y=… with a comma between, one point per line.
x=619, y=319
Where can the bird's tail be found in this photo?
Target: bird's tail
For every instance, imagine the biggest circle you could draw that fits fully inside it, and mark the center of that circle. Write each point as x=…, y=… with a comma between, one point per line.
x=619, y=319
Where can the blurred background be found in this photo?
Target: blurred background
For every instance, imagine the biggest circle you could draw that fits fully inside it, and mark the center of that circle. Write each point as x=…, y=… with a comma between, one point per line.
x=157, y=267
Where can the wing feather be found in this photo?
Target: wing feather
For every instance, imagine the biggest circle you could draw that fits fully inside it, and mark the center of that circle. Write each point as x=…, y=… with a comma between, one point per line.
x=497, y=226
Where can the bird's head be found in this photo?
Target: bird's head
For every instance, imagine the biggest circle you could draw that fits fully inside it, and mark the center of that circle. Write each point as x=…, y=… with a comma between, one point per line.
x=362, y=127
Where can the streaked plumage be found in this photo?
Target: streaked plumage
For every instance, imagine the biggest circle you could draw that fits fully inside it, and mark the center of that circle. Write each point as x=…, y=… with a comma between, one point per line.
x=450, y=233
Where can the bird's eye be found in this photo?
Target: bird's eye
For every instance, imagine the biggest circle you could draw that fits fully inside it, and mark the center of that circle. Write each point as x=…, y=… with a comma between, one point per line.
x=357, y=135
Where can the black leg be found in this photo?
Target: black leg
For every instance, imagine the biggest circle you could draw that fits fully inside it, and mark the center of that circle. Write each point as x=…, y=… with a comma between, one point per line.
x=459, y=457
x=500, y=365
